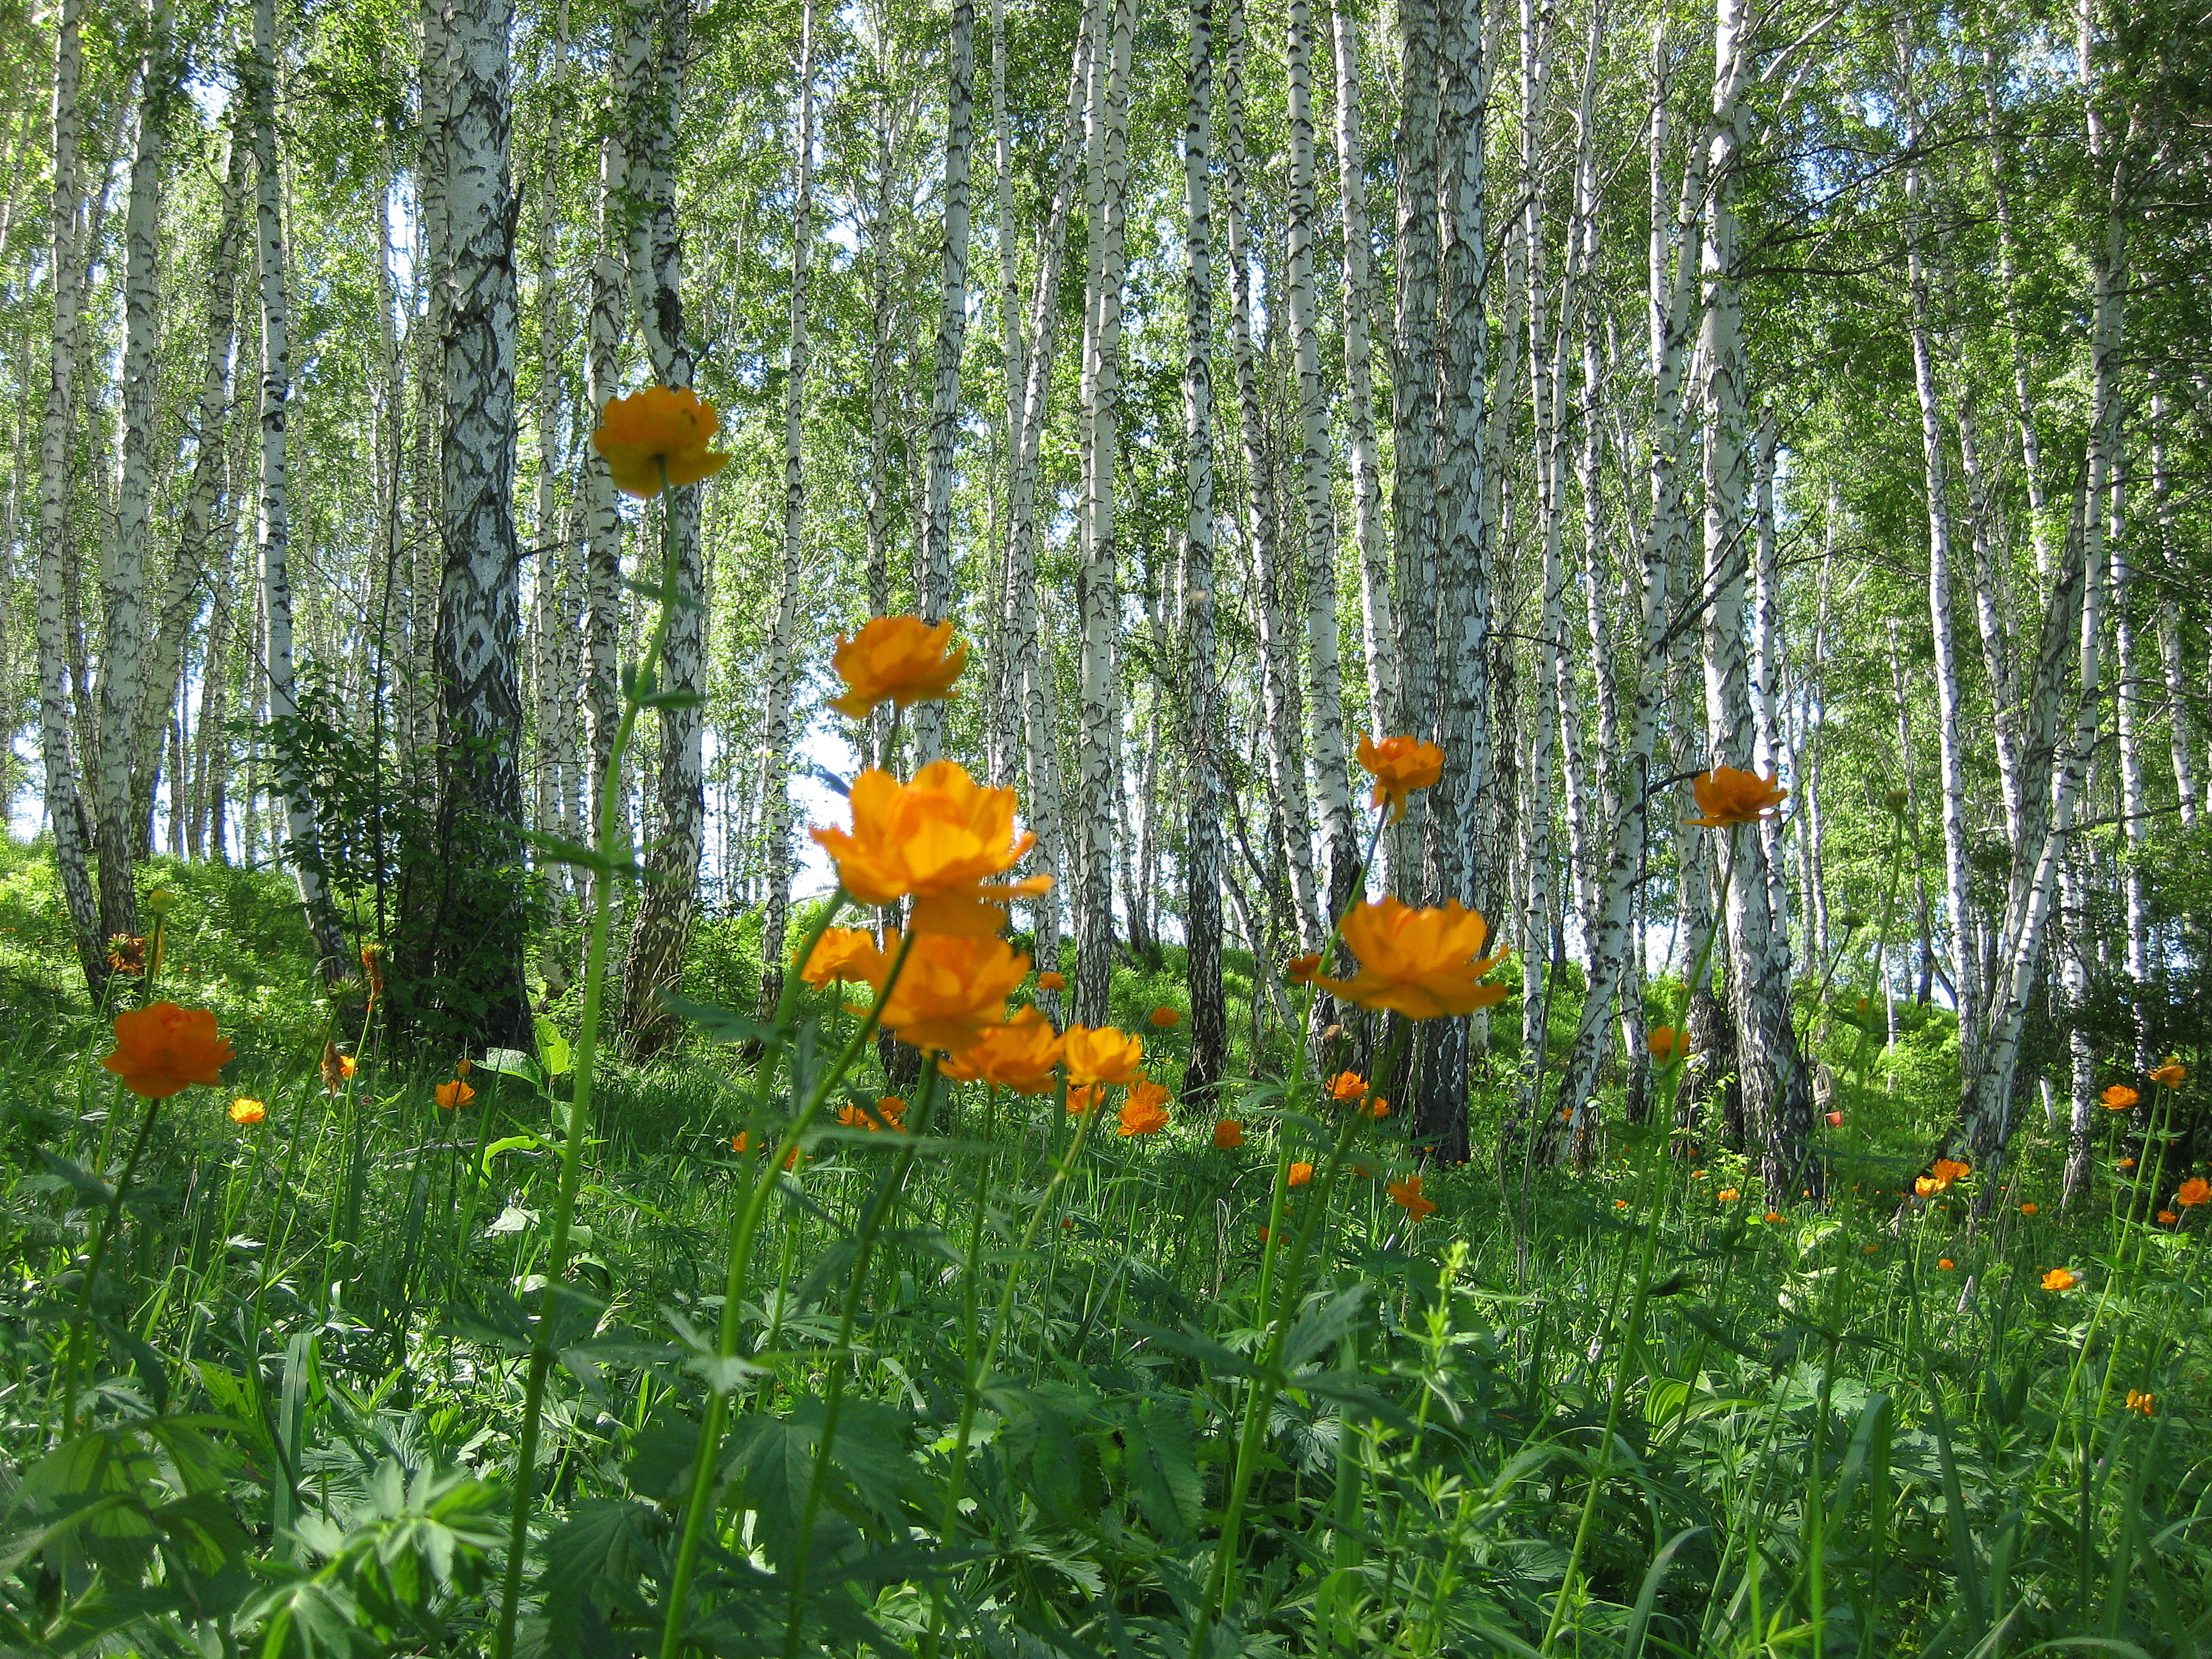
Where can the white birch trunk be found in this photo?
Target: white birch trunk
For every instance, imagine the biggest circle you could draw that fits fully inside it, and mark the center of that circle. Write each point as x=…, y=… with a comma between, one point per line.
x=951, y=338
x=1331, y=788
x=64, y=808
x=2180, y=726
x=1205, y=728
x=782, y=642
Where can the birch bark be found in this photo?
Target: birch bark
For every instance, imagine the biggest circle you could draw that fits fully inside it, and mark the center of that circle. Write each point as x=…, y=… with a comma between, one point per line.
x=781, y=643
x=1377, y=629
x=1100, y=590
x=1340, y=840
x=603, y=529
x=666, y=903
x=951, y=338
x=299, y=813
x=2180, y=727
x=479, y=597
x=1203, y=727
x=64, y=808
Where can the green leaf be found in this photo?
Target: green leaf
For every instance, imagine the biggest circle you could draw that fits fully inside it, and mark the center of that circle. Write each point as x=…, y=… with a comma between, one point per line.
x=1320, y=1327
x=87, y=1186
x=510, y=1062
x=1162, y=1473
x=719, y=1025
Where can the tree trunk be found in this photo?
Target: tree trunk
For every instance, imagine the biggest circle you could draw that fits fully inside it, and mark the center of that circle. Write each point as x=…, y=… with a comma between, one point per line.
x=667, y=902
x=782, y=643
x=2180, y=727
x=299, y=810
x=951, y=338
x=64, y=808
x=1203, y=727
x=1100, y=585
x=483, y=923
x=552, y=676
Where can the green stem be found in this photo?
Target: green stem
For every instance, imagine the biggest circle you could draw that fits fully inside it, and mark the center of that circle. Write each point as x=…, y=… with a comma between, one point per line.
x=612, y=850
x=107, y=1227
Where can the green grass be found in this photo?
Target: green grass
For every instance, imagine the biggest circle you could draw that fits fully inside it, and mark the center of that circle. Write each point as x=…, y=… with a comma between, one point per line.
x=1634, y=1419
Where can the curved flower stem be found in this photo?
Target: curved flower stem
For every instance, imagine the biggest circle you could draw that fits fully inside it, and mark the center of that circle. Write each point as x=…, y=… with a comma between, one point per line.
x=887, y=1192
x=699, y=1504
x=613, y=851
x=979, y=1369
x=107, y=1226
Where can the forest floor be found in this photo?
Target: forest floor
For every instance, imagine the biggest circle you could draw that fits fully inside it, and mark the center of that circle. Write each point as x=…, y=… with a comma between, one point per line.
x=1011, y=1384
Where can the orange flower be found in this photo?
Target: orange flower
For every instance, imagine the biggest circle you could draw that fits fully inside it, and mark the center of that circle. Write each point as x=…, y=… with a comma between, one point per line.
x=1049, y=982
x=1660, y=1041
x=889, y=1114
x=2059, y=1278
x=2127, y=1163
x=126, y=953
x=1378, y=1108
x=1300, y=1173
x=1946, y=1263
x=1228, y=1134
x=2145, y=1403
x=163, y=1049
x=1947, y=1171
x=1421, y=964
x=1773, y=1218
x=1018, y=1055
x=1406, y=1195
x=1727, y=1194
x=1144, y=1112
x=845, y=954
x=741, y=1141
x=1835, y=1120
x=2194, y=1191
x=2166, y=1218
x=2119, y=1097
x=1081, y=1100
x=2172, y=1075
x=1400, y=766
x=1727, y=795
x=658, y=428
x=900, y=659
x=1347, y=1085
x=937, y=840
x=1165, y=1018
x=455, y=1095
x=243, y=1110
x=372, y=965
x=953, y=988
x=337, y=1068
x=1102, y=1054
x=1302, y=971
x=1619, y=1203
x=2029, y=1209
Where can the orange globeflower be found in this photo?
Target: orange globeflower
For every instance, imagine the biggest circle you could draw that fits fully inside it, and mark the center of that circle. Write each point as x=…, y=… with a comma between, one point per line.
x=1378, y=1108
x=2029, y=1209
x=163, y=1049
x=845, y=954
x=1661, y=1040
x=900, y=659
x=1102, y=1054
x=2166, y=1218
x=1052, y=981
x=741, y=1141
x=1728, y=795
x=2059, y=1278
x=1144, y=1112
x=243, y=1110
x=1302, y=971
x=1081, y=1100
x=937, y=840
x=887, y=1115
x=1406, y=1195
x=2127, y=1163
x=1945, y=1263
x=455, y=1095
x=953, y=988
x=1835, y=1120
x=1228, y=1134
x=1165, y=1018
x=1727, y=1194
x=1420, y=964
x=1300, y=1173
x=1400, y=766
x=1947, y=1171
x=1347, y=1085
x=2145, y=1403
x=2172, y=1075
x=660, y=426
x=2119, y=1097
x=1018, y=1055
x=2194, y=1191
x=1773, y=1218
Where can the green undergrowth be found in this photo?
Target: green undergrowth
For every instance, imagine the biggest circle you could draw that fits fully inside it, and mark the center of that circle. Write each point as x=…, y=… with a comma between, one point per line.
x=1639, y=1407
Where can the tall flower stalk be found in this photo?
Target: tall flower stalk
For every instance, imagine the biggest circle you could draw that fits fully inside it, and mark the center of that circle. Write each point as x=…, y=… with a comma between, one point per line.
x=653, y=441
